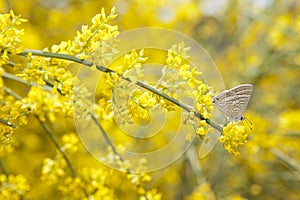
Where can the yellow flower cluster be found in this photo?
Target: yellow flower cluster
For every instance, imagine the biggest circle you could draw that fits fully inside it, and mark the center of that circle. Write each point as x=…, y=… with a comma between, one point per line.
x=177, y=74
x=234, y=135
x=151, y=195
x=153, y=13
x=278, y=31
x=70, y=142
x=138, y=180
x=53, y=169
x=90, y=185
x=10, y=41
x=5, y=139
x=290, y=120
x=177, y=59
x=188, y=79
x=47, y=71
x=131, y=68
x=94, y=42
x=202, y=192
x=46, y=105
x=13, y=187
x=132, y=65
x=103, y=109
x=92, y=38
x=13, y=113
x=177, y=54
x=140, y=103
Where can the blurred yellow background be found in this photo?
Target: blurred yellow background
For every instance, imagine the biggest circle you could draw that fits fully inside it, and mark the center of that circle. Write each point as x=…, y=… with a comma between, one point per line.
x=250, y=41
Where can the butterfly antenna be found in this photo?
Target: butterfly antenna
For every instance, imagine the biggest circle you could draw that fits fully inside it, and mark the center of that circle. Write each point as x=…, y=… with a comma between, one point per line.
x=248, y=123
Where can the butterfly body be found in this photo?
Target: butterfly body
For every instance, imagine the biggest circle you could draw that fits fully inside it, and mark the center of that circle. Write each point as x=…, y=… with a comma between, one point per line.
x=233, y=102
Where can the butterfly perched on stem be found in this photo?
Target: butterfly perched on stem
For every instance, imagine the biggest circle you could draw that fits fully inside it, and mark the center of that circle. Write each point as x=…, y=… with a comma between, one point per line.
x=233, y=102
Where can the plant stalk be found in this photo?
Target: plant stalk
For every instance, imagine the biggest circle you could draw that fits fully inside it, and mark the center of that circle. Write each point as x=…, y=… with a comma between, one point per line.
x=139, y=83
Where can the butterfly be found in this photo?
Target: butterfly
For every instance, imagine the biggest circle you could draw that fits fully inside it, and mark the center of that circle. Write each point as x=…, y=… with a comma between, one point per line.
x=233, y=102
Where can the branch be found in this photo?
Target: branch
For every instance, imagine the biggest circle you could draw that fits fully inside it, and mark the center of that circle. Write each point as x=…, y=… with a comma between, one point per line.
x=54, y=140
x=289, y=161
x=7, y=123
x=107, y=139
x=139, y=83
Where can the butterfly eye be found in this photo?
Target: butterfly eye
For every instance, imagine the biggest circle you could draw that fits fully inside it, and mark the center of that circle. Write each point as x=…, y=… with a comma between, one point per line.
x=215, y=99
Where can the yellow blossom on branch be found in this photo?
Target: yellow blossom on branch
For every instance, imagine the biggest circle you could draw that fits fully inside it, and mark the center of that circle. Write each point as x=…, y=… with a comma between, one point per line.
x=234, y=135
x=290, y=120
x=47, y=106
x=10, y=36
x=202, y=192
x=13, y=187
x=178, y=74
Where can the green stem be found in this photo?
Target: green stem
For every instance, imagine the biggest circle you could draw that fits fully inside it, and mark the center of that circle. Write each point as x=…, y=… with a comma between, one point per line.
x=7, y=123
x=55, y=142
x=139, y=83
x=4, y=171
x=108, y=140
x=10, y=76
x=286, y=159
x=49, y=133
x=12, y=93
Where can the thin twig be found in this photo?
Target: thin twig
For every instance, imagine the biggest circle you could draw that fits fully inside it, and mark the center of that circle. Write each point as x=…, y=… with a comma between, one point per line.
x=196, y=167
x=4, y=171
x=55, y=142
x=12, y=93
x=7, y=123
x=108, y=140
x=20, y=80
x=289, y=161
x=48, y=131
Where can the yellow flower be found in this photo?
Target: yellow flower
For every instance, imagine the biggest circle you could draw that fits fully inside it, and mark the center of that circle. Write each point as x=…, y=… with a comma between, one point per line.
x=96, y=42
x=151, y=195
x=54, y=169
x=132, y=65
x=290, y=120
x=177, y=59
x=10, y=41
x=70, y=142
x=13, y=186
x=202, y=192
x=234, y=135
